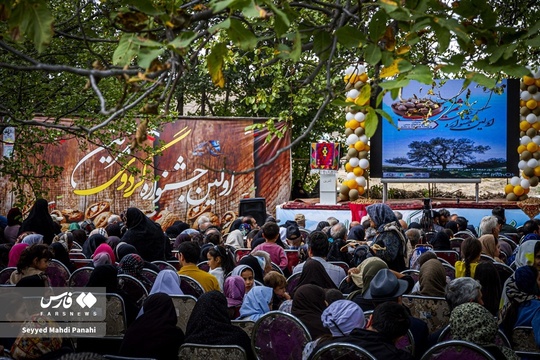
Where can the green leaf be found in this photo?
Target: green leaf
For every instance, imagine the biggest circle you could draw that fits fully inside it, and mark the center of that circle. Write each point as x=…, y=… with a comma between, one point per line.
x=372, y=121
x=498, y=51
x=404, y=66
x=215, y=64
x=510, y=50
x=373, y=54
x=401, y=14
x=241, y=36
x=483, y=80
x=454, y=26
x=377, y=25
x=387, y=58
x=394, y=84
x=183, y=40
x=321, y=44
x=380, y=97
x=126, y=50
x=147, y=55
x=350, y=37
x=297, y=47
x=144, y=6
x=220, y=5
x=385, y=115
x=421, y=73
x=340, y=102
x=225, y=24
x=443, y=37
x=534, y=42
x=533, y=30
x=281, y=20
x=251, y=10
x=365, y=94
x=33, y=19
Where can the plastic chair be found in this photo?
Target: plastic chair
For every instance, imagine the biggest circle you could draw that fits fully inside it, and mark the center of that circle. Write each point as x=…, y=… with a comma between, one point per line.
x=464, y=235
x=433, y=310
x=204, y=266
x=149, y=275
x=57, y=273
x=415, y=274
x=214, y=352
x=275, y=267
x=449, y=270
x=455, y=244
x=293, y=259
x=76, y=255
x=486, y=258
x=406, y=342
x=5, y=274
x=524, y=343
x=240, y=253
x=76, y=246
x=342, y=350
x=279, y=336
x=504, y=271
x=500, y=338
x=246, y=325
x=80, y=263
x=449, y=255
x=292, y=282
x=190, y=286
x=133, y=287
x=183, y=305
x=162, y=265
x=80, y=277
x=457, y=349
x=341, y=264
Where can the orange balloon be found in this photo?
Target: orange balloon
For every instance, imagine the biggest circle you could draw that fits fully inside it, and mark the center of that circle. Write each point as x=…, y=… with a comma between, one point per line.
x=524, y=125
x=532, y=104
x=358, y=171
x=359, y=145
x=518, y=190
x=536, y=126
x=366, y=147
x=363, y=124
x=363, y=77
x=348, y=167
x=509, y=188
x=532, y=147
x=361, y=190
x=353, y=124
x=521, y=148
x=528, y=80
x=527, y=191
x=537, y=82
x=537, y=171
x=521, y=102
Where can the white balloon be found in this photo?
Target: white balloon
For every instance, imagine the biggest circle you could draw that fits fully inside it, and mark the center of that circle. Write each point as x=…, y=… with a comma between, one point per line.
x=349, y=116
x=525, y=95
x=536, y=140
x=364, y=163
x=349, y=70
x=352, y=139
x=525, y=184
x=531, y=118
x=536, y=96
x=363, y=139
x=536, y=74
x=515, y=181
x=532, y=163
x=353, y=94
x=361, y=181
x=354, y=162
x=351, y=176
x=522, y=165
x=524, y=140
x=359, y=116
x=360, y=69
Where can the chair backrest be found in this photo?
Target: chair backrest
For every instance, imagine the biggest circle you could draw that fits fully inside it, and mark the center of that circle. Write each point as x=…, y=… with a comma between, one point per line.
x=449, y=255
x=275, y=267
x=79, y=263
x=80, y=277
x=278, y=335
x=486, y=258
x=57, y=273
x=457, y=349
x=76, y=246
x=190, y=286
x=292, y=281
x=406, y=342
x=342, y=351
x=183, y=305
x=504, y=271
x=293, y=259
x=500, y=338
x=433, y=310
x=76, y=255
x=214, y=352
x=115, y=315
x=5, y=274
x=415, y=274
x=204, y=266
x=246, y=325
x=449, y=270
x=149, y=275
x=455, y=244
x=523, y=342
x=240, y=253
x=162, y=265
x=133, y=287
x=341, y=264
x=464, y=235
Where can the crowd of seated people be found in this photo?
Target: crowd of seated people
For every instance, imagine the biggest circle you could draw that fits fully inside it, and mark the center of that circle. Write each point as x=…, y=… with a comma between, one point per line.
x=350, y=284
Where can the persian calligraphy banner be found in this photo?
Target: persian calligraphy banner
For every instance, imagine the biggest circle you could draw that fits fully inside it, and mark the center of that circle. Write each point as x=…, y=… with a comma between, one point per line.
x=191, y=173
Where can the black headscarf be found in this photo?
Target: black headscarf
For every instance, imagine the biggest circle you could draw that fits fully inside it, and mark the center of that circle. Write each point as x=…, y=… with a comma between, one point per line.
x=314, y=273
x=91, y=244
x=154, y=334
x=209, y=324
x=357, y=233
x=104, y=276
x=308, y=305
x=253, y=263
x=40, y=221
x=236, y=224
x=61, y=254
x=122, y=249
x=145, y=235
x=441, y=241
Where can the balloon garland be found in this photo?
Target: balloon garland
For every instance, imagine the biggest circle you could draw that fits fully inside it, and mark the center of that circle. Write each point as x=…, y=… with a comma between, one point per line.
x=358, y=149
x=529, y=150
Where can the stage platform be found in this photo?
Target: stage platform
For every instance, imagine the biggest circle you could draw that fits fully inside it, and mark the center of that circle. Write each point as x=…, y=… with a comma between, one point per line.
x=410, y=208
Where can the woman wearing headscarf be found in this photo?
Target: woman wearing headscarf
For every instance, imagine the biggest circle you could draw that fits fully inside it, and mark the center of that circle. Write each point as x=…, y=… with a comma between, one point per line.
x=432, y=279
x=133, y=264
x=257, y=302
x=145, y=235
x=255, y=265
x=209, y=324
x=235, y=238
x=40, y=221
x=113, y=242
x=154, y=334
x=61, y=254
x=357, y=233
x=32, y=239
x=104, y=248
x=474, y=323
x=15, y=254
x=340, y=317
x=368, y=269
x=14, y=221
x=308, y=305
x=486, y=274
x=490, y=247
x=390, y=243
x=234, y=289
x=527, y=252
x=314, y=273
x=92, y=243
x=441, y=241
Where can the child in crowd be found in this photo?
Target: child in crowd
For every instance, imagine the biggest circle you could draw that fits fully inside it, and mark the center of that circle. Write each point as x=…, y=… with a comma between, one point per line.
x=247, y=274
x=270, y=232
x=277, y=282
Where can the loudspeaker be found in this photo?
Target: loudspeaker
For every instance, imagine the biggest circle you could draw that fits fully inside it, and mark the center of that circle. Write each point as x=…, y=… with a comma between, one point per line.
x=255, y=207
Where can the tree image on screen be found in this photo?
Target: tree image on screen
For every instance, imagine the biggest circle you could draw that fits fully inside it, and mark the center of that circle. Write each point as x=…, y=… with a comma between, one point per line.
x=445, y=153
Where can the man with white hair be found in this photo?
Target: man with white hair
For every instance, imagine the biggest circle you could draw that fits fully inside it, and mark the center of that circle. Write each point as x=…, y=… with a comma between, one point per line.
x=489, y=225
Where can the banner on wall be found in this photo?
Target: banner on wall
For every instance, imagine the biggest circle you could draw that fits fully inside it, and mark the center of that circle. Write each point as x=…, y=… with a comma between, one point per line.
x=324, y=156
x=190, y=174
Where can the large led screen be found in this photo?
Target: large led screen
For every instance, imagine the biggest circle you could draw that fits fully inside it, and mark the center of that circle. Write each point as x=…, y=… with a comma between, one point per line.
x=444, y=131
